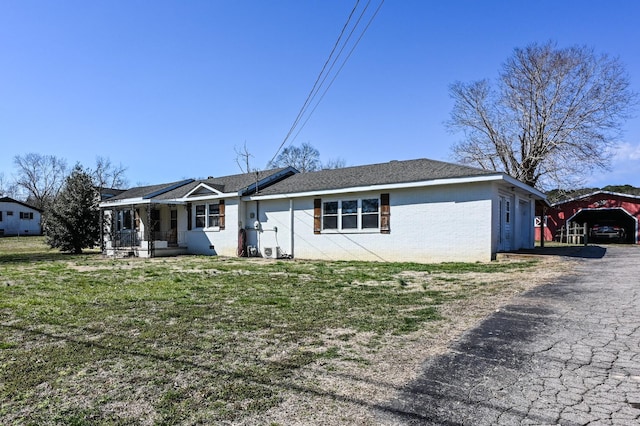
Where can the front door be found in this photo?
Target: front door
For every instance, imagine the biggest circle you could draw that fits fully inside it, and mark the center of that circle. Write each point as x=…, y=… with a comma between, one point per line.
x=524, y=225
x=505, y=224
x=173, y=229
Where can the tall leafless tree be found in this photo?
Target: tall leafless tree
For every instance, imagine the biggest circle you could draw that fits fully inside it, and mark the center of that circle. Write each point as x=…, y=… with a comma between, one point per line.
x=108, y=175
x=304, y=158
x=243, y=157
x=7, y=188
x=553, y=116
x=41, y=176
x=334, y=163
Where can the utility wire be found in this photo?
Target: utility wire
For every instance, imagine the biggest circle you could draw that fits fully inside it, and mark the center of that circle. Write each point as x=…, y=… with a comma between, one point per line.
x=313, y=89
x=322, y=77
x=339, y=69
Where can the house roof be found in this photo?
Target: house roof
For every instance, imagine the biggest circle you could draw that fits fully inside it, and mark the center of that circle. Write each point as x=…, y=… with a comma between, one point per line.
x=286, y=181
x=225, y=184
x=230, y=184
x=11, y=200
x=593, y=194
x=141, y=192
x=393, y=172
x=107, y=193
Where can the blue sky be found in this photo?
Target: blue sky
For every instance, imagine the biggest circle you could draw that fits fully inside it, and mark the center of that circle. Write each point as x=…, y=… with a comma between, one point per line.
x=171, y=89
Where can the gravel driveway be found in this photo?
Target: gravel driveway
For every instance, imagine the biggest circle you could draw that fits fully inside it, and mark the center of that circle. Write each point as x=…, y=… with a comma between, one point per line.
x=565, y=353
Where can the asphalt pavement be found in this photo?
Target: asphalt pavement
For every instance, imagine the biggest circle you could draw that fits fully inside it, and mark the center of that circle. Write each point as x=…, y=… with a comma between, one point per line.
x=566, y=353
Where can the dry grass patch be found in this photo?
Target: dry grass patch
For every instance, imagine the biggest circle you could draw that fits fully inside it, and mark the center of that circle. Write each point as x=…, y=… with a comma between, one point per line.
x=192, y=340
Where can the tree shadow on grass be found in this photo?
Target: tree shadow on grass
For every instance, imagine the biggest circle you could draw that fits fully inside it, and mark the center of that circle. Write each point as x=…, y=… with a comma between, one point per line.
x=14, y=258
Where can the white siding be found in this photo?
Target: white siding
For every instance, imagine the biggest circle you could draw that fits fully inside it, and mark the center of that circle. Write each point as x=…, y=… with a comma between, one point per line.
x=223, y=241
x=12, y=224
x=434, y=224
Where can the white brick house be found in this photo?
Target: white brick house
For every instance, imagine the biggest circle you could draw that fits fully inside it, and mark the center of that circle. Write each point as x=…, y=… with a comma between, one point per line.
x=18, y=218
x=417, y=210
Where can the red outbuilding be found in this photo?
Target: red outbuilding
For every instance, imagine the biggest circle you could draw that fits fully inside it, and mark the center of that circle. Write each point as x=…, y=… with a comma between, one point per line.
x=608, y=216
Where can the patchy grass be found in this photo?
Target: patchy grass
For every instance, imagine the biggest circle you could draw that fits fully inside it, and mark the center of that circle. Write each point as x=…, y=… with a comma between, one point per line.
x=90, y=340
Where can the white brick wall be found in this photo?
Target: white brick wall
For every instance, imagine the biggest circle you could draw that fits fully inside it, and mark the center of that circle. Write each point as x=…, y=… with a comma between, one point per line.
x=431, y=224
x=13, y=225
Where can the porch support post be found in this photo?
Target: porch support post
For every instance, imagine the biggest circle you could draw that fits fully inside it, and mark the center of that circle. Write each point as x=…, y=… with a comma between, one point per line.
x=149, y=229
x=113, y=231
x=101, y=225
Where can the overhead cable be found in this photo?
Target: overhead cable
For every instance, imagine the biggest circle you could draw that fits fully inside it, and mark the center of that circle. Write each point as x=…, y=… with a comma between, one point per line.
x=338, y=72
x=324, y=73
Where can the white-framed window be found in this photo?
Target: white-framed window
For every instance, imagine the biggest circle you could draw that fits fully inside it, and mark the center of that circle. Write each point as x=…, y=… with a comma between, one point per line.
x=9, y=213
x=360, y=214
x=26, y=215
x=208, y=215
x=201, y=215
x=214, y=215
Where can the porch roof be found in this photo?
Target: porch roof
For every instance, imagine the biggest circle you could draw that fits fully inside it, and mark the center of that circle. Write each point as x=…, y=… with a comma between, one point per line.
x=233, y=185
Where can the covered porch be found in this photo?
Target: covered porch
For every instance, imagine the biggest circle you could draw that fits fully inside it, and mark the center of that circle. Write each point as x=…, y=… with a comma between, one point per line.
x=144, y=230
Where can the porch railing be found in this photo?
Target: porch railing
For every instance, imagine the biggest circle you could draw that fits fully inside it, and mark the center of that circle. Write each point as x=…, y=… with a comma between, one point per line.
x=128, y=238
x=171, y=237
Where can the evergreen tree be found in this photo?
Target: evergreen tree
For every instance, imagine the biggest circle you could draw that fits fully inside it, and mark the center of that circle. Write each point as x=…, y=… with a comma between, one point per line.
x=73, y=221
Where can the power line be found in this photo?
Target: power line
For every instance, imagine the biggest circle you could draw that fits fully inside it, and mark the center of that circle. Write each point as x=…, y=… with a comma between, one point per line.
x=338, y=72
x=313, y=89
x=324, y=73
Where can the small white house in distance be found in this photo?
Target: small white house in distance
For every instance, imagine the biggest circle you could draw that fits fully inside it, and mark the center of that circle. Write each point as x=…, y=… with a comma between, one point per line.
x=18, y=218
x=415, y=211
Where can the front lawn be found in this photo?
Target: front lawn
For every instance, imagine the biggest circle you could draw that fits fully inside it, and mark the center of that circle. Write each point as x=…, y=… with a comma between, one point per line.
x=191, y=340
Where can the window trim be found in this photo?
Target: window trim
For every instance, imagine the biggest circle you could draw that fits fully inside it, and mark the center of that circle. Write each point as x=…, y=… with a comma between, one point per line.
x=339, y=229
x=207, y=216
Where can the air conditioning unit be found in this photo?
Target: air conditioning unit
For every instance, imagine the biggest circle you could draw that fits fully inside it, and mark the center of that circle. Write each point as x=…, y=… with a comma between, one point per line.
x=272, y=252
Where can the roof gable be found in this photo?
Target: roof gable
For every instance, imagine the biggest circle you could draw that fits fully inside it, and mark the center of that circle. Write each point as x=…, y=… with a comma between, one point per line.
x=181, y=191
x=202, y=189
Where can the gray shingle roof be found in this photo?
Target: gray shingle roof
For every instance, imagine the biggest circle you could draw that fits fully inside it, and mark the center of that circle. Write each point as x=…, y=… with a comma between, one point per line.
x=174, y=190
x=145, y=191
x=393, y=172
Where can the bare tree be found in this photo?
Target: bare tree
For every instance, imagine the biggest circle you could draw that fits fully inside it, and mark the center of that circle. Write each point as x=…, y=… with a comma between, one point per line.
x=334, y=163
x=304, y=158
x=552, y=117
x=242, y=159
x=7, y=188
x=108, y=175
x=41, y=176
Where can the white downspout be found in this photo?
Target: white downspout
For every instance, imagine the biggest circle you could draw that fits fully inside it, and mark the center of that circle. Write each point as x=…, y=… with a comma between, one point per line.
x=291, y=218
